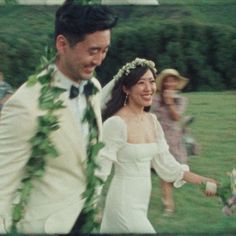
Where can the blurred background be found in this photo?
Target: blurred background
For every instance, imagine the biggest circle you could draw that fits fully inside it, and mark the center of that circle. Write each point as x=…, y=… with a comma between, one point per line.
x=198, y=38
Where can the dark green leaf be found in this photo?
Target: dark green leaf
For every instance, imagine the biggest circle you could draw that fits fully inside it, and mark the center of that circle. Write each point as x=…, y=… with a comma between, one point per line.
x=17, y=212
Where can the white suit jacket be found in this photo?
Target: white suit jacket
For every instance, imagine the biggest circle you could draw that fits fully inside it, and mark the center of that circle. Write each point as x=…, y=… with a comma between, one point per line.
x=55, y=200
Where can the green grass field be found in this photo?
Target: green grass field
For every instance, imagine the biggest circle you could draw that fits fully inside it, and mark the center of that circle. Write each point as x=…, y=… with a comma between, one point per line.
x=215, y=129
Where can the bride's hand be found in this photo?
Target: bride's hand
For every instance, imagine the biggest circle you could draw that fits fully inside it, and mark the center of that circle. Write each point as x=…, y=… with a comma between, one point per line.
x=211, y=187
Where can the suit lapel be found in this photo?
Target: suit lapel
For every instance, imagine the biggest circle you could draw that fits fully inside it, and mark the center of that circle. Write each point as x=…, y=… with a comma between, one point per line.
x=69, y=124
x=72, y=128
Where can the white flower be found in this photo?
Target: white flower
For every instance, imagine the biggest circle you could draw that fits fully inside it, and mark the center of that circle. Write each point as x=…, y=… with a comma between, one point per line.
x=233, y=181
x=128, y=67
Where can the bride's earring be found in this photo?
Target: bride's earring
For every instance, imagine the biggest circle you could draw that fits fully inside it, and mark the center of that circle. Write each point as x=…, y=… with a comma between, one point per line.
x=126, y=99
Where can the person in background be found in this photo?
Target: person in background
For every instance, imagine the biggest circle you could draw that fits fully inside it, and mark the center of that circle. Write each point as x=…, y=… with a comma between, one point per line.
x=5, y=91
x=134, y=141
x=168, y=106
x=47, y=118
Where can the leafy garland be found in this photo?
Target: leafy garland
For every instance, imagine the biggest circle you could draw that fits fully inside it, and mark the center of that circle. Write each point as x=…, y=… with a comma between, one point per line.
x=43, y=147
x=90, y=210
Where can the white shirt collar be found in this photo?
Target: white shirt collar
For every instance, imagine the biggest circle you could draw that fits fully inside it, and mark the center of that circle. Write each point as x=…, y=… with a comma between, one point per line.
x=67, y=82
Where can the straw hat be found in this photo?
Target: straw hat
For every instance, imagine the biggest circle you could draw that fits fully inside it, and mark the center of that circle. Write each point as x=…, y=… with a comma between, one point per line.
x=182, y=81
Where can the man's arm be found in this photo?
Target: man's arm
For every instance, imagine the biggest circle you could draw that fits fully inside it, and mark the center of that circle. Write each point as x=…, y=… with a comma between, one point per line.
x=16, y=128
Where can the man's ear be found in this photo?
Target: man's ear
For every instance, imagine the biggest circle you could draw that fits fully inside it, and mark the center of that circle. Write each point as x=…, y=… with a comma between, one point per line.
x=61, y=44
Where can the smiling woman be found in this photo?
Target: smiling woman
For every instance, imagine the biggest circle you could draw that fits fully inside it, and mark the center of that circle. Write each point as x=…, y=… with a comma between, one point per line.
x=123, y=81
x=134, y=140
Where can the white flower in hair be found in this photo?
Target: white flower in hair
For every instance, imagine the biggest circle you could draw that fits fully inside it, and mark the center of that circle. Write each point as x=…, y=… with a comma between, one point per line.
x=126, y=69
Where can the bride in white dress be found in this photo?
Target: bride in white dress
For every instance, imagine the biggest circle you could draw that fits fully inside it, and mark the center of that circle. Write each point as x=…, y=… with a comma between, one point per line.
x=134, y=142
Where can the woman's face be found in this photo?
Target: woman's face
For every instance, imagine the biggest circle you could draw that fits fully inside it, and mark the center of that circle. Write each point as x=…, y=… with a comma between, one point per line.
x=170, y=83
x=142, y=92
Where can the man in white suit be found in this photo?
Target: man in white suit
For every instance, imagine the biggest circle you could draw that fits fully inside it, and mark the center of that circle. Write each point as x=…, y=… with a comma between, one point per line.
x=82, y=38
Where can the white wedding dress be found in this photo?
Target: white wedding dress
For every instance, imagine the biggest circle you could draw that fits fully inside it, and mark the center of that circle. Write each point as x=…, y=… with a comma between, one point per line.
x=128, y=196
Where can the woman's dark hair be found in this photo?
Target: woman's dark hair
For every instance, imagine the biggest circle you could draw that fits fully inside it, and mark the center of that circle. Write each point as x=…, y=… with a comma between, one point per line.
x=74, y=21
x=118, y=96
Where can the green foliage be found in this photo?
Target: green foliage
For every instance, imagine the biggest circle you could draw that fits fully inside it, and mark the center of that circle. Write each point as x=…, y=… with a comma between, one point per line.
x=224, y=191
x=87, y=1
x=196, y=39
x=198, y=51
x=25, y=31
x=10, y=2
x=90, y=210
x=194, y=2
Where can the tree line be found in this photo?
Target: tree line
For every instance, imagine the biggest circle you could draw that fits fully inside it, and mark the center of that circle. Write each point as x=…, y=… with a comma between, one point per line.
x=206, y=54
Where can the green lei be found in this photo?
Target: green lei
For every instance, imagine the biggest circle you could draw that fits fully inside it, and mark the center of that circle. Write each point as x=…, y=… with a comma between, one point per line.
x=43, y=147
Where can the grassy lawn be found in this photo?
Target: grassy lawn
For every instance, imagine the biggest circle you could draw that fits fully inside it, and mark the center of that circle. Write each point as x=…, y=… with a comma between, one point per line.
x=215, y=130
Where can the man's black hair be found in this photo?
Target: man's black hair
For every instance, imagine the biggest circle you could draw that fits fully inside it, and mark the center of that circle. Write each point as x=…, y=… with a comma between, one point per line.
x=74, y=21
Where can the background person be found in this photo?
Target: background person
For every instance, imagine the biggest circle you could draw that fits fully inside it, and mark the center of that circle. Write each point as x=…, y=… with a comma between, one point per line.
x=168, y=106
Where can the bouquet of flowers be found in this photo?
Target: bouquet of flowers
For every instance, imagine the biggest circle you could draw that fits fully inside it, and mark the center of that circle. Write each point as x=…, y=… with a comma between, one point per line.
x=227, y=193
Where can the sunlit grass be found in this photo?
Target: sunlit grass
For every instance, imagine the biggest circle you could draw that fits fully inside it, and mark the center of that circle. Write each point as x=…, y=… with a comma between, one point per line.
x=215, y=130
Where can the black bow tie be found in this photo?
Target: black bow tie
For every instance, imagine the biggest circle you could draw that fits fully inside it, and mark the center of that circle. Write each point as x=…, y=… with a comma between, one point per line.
x=74, y=92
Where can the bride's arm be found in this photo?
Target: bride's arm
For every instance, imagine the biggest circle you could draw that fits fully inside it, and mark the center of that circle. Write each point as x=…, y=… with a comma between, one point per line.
x=172, y=171
x=194, y=178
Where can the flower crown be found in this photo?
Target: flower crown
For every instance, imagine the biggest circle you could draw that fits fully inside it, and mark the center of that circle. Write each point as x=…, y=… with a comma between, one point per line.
x=125, y=70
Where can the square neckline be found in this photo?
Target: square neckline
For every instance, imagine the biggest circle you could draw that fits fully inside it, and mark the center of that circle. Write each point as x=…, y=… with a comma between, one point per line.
x=123, y=121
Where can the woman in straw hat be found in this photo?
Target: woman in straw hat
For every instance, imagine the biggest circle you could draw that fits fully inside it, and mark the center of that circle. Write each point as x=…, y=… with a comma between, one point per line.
x=134, y=141
x=169, y=105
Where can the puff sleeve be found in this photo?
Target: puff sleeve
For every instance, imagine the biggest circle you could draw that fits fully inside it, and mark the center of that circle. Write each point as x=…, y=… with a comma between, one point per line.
x=164, y=163
x=114, y=137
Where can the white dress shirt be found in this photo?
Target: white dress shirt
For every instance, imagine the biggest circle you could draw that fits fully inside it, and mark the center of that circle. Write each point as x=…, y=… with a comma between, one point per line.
x=77, y=104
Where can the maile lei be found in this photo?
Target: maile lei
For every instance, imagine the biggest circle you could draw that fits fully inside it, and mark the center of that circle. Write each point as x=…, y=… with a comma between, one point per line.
x=43, y=147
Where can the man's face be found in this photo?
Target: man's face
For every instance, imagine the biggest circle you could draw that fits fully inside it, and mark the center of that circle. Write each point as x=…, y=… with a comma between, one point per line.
x=79, y=62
